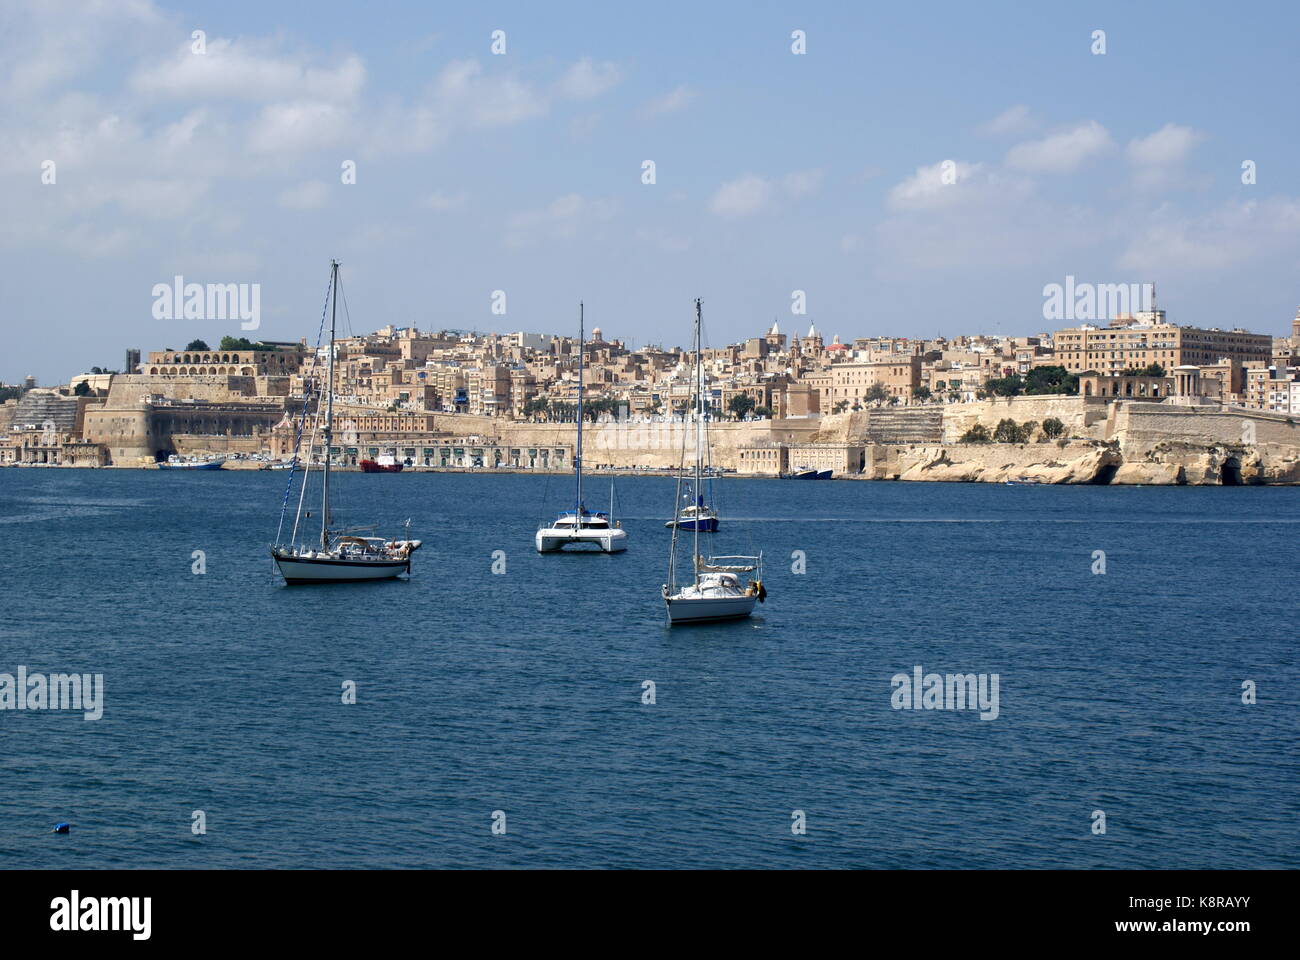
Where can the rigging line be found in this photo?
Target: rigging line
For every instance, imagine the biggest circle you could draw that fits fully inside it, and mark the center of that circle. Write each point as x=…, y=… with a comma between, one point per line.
x=293, y=468
x=293, y=464
x=347, y=317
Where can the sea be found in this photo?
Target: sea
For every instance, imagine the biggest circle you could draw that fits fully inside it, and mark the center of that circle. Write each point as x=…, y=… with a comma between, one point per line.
x=505, y=709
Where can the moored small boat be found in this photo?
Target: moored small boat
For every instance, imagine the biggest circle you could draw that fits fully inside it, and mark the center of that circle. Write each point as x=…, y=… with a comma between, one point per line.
x=695, y=516
x=717, y=590
x=176, y=463
x=337, y=556
x=580, y=527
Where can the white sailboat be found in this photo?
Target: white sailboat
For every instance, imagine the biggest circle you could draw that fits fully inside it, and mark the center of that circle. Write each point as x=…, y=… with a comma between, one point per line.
x=339, y=556
x=724, y=587
x=581, y=527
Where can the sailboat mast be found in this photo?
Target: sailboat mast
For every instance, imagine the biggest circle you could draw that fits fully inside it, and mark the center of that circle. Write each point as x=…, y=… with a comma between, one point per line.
x=329, y=411
x=577, y=461
x=699, y=419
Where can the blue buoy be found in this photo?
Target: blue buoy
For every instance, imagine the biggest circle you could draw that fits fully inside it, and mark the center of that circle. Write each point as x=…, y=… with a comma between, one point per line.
x=62, y=827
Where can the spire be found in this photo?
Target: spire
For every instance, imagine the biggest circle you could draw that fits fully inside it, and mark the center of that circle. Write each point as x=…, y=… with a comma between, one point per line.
x=812, y=331
x=775, y=329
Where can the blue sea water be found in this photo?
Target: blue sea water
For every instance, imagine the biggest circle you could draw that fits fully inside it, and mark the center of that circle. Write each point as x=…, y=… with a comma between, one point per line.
x=522, y=692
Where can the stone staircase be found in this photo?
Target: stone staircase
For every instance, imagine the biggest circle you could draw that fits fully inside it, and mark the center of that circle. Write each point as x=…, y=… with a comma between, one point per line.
x=904, y=425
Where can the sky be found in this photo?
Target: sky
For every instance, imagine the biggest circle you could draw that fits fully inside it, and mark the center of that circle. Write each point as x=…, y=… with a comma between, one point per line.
x=919, y=170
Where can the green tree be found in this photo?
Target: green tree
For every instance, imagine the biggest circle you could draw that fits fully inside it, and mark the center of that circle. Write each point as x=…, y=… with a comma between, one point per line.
x=976, y=434
x=1005, y=386
x=922, y=392
x=840, y=406
x=1008, y=431
x=81, y=389
x=764, y=412
x=877, y=393
x=1051, y=379
x=1053, y=428
x=1151, y=370
x=200, y=345
x=239, y=343
x=740, y=405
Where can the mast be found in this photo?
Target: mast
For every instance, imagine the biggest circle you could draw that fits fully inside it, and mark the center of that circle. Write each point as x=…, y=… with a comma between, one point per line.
x=577, y=461
x=329, y=412
x=699, y=420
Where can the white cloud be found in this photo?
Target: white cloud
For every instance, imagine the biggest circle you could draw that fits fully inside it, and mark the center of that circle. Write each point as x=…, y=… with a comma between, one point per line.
x=586, y=79
x=741, y=197
x=159, y=198
x=1169, y=145
x=283, y=128
x=928, y=187
x=1158, y=159
x=310, y=195
x=441, y=202
x=676, y=99
x=463, y=93
x=43, y=45
x=248, y=70
x=802, y=182
x=1061, y=152
x=561, y=219
x=1234, y=234
x=1015, y=119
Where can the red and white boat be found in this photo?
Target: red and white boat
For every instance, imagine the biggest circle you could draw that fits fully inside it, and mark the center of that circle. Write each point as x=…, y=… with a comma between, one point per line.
x=385, y=464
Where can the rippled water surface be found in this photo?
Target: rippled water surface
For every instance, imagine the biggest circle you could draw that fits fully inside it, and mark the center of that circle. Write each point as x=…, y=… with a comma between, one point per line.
x=522, y=692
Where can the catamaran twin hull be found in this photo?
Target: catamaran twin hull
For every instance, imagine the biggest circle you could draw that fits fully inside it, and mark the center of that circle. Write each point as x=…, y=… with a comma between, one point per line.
x=610, y=540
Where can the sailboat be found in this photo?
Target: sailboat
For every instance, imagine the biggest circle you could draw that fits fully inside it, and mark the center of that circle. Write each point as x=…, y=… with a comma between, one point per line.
x=581, y=527
x=717, y=591
x=338, y=556
x=695, y=515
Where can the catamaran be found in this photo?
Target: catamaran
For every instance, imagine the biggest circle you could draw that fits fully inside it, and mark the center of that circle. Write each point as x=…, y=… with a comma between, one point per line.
x=581, y=527
x=717, y=591
x=339, y=556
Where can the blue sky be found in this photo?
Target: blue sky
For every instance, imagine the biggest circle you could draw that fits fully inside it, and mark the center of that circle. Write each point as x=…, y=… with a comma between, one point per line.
x=775, y=172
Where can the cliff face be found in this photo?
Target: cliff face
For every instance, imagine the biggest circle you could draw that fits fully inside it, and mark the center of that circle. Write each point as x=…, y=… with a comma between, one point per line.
x=1064, y=462
x=1088, y=461
x=1129, y=442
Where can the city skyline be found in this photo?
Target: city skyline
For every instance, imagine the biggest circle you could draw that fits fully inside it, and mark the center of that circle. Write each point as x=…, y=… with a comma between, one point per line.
x=522, y=172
